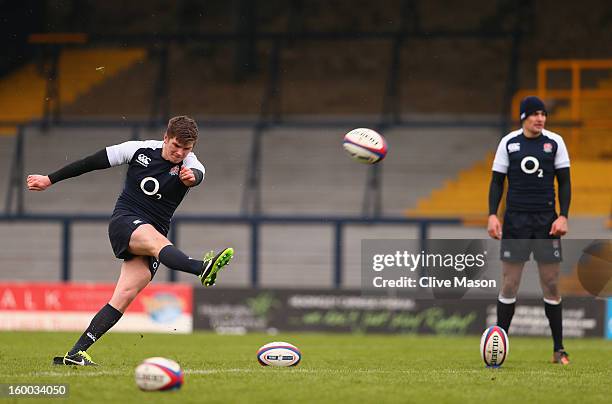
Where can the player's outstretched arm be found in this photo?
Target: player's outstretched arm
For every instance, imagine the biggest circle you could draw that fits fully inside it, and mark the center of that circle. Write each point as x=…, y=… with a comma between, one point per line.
x=96, y=161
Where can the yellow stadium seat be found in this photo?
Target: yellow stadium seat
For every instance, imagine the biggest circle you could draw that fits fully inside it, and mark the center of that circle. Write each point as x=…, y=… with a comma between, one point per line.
x=22, y=91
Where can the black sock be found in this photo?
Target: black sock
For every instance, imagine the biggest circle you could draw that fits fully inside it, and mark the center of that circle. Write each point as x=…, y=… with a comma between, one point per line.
x=505, y=312
x=102, y=322
x=175, y=259
x=555, y=319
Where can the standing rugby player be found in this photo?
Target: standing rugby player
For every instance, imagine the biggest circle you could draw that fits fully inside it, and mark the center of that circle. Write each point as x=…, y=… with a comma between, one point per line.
x=160, y=174
x=531, y=158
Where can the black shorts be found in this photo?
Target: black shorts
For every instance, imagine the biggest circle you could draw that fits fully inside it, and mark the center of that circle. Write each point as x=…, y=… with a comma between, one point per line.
x=120, y=230
x=527, y=232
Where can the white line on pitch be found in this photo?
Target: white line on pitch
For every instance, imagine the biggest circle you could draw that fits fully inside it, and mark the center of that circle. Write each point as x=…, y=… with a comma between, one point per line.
x=98, y=373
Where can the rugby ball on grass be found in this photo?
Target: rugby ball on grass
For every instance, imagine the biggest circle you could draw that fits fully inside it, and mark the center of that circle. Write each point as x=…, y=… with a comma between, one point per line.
x=365, y=145
x=279, y=354
x=494, y=346
x=157, y=374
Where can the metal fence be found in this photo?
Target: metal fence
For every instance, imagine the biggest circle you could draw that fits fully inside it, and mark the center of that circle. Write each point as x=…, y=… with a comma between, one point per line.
x=254, y=222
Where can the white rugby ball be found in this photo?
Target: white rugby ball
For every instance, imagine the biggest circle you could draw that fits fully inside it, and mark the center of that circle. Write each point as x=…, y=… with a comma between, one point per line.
x=155, y=374
x=365, y=145
x=494, y=346
x=279, y=354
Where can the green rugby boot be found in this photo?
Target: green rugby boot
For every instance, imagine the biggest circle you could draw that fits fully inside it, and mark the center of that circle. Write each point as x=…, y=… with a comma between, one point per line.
x=80, y=358
x=213, y=264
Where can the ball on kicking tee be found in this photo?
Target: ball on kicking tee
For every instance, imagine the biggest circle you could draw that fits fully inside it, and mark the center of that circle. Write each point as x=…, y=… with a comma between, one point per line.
x=494, y=346
x=365, y=145
x=158, y=374
x=595, y=268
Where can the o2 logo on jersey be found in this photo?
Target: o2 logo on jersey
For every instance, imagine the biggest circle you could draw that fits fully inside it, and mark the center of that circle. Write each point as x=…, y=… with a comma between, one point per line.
x=535, y=166
x=143, y=184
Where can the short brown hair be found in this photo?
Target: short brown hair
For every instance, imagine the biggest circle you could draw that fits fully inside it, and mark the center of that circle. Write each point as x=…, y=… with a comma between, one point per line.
x=183, y=128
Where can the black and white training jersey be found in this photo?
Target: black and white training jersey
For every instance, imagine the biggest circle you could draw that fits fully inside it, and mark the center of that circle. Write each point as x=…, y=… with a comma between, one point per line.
x=152, y=188
x=530, y=165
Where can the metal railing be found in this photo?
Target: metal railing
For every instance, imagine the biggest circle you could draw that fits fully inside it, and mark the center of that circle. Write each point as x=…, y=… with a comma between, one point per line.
x=338, y=224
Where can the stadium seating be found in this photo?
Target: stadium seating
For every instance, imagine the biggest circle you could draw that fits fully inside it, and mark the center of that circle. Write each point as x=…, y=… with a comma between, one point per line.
x=303, y=171
x=590, y=148
x=22, y=92
x=319, y=180
x=466, y=195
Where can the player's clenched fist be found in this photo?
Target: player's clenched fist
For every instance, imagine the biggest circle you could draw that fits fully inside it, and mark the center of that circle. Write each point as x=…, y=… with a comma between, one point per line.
x=38, y=182
x=187, y=176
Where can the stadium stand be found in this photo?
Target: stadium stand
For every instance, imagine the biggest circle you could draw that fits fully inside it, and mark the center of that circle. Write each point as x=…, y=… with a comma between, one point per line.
x=22, y=92
x=313, y=181
x=467, y=194
x=6, y=151
x=314, y=80
x=289, y=177
x=590, y=147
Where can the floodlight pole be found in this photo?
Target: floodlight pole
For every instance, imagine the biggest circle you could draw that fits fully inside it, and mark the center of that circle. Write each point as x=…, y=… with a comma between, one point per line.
x=15, y=183
x=270, y=106
x=372, y=198
x=160, y=108
x=51, y=45
x=50, y=69
x=391, y=108
x=512, y=84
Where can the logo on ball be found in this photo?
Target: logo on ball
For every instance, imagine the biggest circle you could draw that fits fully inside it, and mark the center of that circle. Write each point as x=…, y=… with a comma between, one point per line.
x=365, y=145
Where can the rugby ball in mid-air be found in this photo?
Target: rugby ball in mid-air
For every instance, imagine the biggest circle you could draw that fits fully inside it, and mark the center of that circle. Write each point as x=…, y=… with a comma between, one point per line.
x=155, y=374
x=365, y=145
x=494, y=346
x=279, y=354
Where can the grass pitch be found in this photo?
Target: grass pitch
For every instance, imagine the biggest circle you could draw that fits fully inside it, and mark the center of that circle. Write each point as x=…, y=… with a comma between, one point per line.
x=334, y=369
